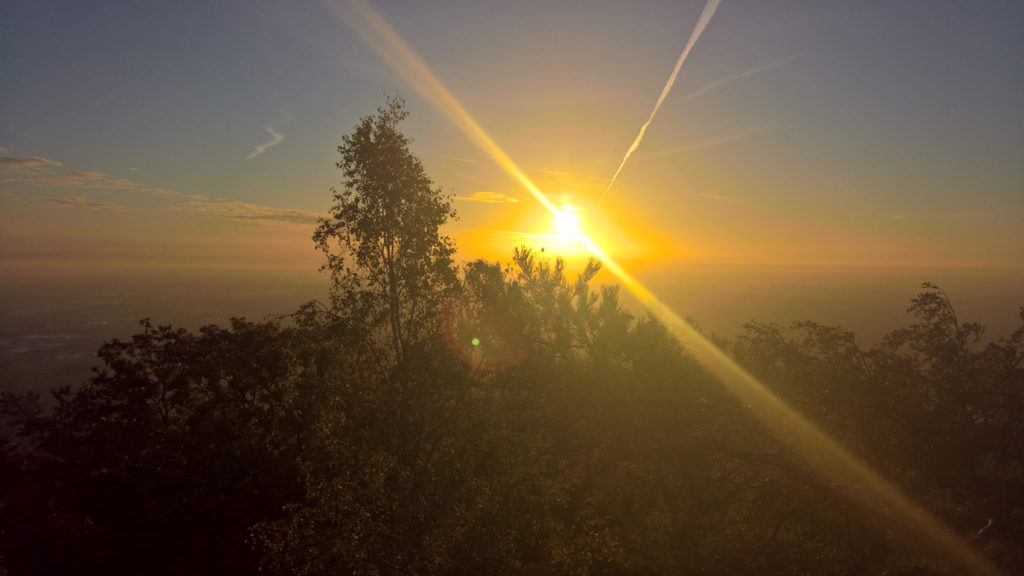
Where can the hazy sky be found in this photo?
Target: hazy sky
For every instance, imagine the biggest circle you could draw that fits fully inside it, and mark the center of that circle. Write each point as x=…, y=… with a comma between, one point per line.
x=863, y=133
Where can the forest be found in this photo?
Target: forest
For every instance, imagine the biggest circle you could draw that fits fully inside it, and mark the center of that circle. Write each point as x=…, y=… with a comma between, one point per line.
x=499, y=418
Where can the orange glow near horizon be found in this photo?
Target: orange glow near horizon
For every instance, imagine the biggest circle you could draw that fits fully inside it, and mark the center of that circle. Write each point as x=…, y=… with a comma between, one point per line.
x=847, y=476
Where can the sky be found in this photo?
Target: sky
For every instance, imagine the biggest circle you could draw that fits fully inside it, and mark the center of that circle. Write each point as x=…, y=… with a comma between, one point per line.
x=857, y=136
x=810, y=160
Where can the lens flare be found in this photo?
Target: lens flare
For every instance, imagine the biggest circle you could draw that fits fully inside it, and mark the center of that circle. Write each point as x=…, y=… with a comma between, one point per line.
x=567, y=222
x=851, y=479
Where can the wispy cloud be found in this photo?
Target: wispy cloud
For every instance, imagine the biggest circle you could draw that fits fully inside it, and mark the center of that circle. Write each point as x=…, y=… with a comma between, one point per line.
x=84, y=181
x=713, y=141
x=76, y=201
x=177, y=195
x=942, y=216
x=573, y=176
x=39, y=171
x=488, y=198
x=275, y=137
x=715, y=84
x=23, y=162
x=34, y=138
x=42, y=172
x=702, y=22
x=721, y=197
x=244, y=211
x=555, y=173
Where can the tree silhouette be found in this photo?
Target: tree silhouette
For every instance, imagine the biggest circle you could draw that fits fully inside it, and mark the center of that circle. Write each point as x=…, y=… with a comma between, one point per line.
x=389, y=265
x=164, y=460
x=501, y=419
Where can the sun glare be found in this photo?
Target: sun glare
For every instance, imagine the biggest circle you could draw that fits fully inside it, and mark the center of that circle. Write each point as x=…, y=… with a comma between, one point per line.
x=853, y=479
x=567, y=222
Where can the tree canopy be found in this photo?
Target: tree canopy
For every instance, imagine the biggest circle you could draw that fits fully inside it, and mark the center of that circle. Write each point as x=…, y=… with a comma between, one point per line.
x=389, y=264
x=497, y=418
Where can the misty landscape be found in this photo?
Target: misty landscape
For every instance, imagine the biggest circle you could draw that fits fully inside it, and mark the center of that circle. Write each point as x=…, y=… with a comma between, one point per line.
x=378, y=287
x=54, y=318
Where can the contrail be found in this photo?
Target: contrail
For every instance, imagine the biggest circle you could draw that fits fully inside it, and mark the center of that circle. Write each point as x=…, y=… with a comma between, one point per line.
x=275, y=137
x=702, y=22
x=719, y=140
x=714, y=84
x=839, y=469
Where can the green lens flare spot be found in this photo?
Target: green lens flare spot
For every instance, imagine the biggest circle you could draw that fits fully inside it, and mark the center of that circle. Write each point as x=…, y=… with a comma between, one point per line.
x=475, y=341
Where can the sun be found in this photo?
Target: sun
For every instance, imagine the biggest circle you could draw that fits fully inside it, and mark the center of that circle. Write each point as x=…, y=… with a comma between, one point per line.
x=567, y=222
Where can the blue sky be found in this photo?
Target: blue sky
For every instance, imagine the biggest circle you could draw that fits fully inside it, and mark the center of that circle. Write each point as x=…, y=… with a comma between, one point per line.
x=844, y=132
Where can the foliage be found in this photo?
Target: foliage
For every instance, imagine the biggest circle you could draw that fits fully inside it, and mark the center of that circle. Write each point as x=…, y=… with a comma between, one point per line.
x=497, y=419
x=389, y=265
x=180, y=438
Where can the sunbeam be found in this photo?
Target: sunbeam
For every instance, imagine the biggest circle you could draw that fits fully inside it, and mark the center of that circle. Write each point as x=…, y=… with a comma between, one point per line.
x=849, y=478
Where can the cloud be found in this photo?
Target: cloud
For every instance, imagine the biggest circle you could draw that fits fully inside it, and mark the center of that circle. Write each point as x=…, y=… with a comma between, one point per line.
x=31, y=137
x=40, y=171
x=555, y=173
x=720, y=197
x=715, y=84
x=572, y=176
x=24, y=162
x=84, y=181
x=251, y=212
x=936, y=216
x=712, y=142
x=76, y=201
x=175, y=194
x=275, y=137
x=488, y=198
x=84, y=175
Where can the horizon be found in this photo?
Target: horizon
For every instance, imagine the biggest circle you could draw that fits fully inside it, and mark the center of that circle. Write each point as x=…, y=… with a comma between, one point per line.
x=850, y=165
x=341, y=285
x=786, y=136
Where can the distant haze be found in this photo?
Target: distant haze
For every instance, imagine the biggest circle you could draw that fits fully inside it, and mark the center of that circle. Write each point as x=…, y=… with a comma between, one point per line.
x=54, y=317
x=171, y=160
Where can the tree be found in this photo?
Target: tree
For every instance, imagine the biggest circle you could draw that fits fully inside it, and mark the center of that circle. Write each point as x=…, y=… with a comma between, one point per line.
x=390, y=267
x=518, y=421
x=163, y=460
